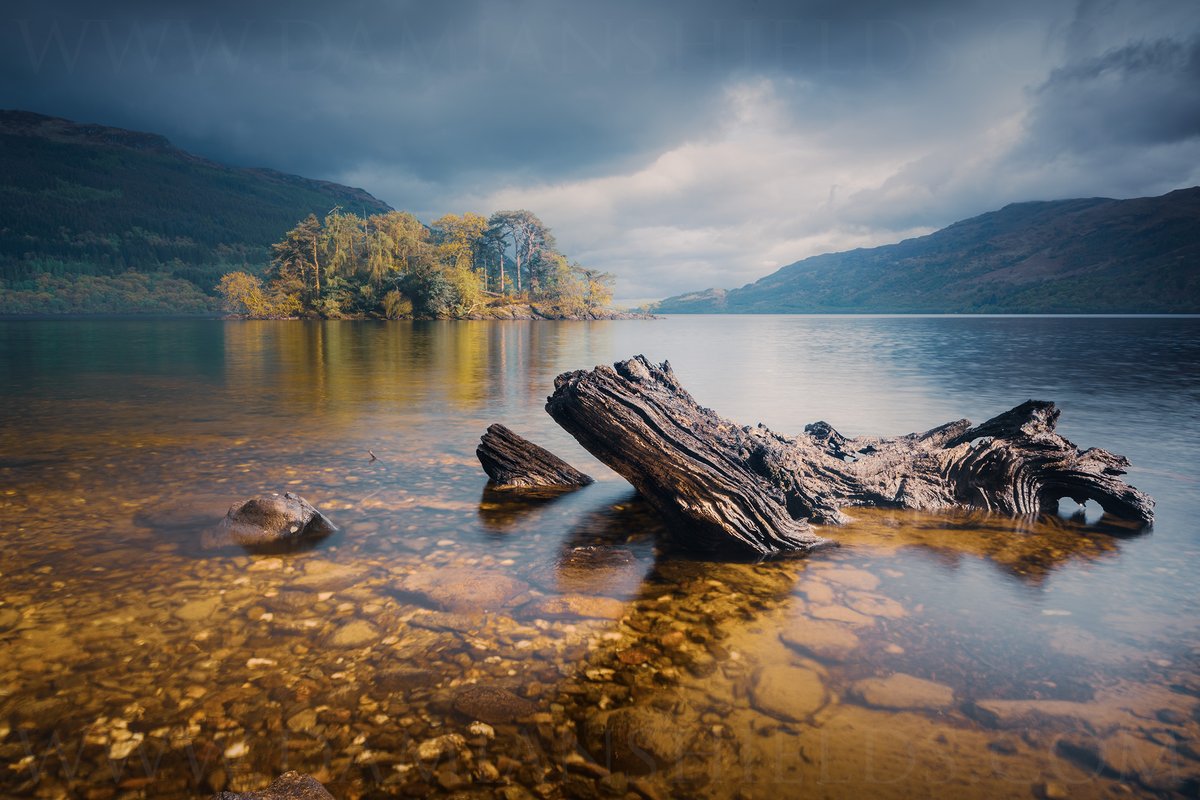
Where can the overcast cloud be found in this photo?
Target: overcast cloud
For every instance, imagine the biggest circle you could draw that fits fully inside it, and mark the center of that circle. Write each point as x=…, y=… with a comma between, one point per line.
x=679, y=145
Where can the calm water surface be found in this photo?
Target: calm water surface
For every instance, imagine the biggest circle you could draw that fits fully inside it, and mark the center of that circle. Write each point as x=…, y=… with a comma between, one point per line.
x=930, y=655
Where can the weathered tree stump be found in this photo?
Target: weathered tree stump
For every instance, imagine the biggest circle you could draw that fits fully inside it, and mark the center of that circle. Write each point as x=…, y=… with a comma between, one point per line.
x=722, y=486
x=514, y=462
x=685, y=460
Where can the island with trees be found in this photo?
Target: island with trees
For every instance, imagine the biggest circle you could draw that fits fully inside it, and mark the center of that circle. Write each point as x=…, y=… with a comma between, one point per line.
x=393, y=266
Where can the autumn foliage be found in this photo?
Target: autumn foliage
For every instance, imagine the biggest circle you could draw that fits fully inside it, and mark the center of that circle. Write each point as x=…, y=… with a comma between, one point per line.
x=394, y=266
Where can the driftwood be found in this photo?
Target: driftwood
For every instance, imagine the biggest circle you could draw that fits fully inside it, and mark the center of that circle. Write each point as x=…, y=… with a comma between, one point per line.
x=514, y=462
x=685, y=460
x=722, y=486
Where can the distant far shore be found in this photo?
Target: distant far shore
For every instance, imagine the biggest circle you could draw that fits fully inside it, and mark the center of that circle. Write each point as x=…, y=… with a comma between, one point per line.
x=597, y=316
x=501, y=315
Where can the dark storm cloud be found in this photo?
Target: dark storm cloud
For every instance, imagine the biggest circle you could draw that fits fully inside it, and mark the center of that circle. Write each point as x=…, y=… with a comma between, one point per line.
x=540, y=89
x=1143, y=93
x=679, y=144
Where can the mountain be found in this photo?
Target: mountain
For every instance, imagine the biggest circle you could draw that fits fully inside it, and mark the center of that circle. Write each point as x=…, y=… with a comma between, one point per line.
x=1067, y=256
x=89, y=201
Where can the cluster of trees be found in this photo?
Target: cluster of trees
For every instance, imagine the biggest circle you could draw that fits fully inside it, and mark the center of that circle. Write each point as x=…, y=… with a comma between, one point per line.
x=392, y=265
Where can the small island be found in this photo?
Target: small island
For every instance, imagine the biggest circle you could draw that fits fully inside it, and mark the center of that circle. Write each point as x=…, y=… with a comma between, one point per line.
x=393, y=266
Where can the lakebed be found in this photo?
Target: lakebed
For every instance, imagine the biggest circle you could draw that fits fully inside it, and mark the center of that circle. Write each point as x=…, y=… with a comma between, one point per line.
x=943, y=655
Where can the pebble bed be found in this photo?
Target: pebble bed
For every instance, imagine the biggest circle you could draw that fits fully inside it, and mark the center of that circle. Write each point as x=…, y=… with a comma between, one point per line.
x=459, y=642
x=397, y=661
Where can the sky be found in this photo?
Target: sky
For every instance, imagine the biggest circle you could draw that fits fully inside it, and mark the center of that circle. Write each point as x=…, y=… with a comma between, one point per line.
x=678, y=145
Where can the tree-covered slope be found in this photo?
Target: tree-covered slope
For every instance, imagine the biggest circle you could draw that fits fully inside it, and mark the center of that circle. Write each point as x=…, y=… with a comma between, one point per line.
x=91, y=200
x=1069, y=256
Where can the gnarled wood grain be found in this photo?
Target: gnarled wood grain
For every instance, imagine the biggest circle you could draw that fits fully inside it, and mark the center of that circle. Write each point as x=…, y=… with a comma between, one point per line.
x=724, y=486
x=692, y=465
x=513, y=462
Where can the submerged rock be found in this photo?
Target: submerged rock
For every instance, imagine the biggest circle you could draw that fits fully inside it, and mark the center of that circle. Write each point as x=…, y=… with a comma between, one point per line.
x=1130, y=757
x=570, y=606
x=1053, y=790
x=441, y=747
x=269, y=520
x=842, y=614
x=826, y=640
x=874, y=605
x=9, y=617
x=288, y=786
x=321, y=575
x=447, y=621
x=1035, y=713
x=789, y=693
x=636, y=739
x=902, y=691
x=491, y=704
x=589, y=558
x=818, y=592
x=852, y=578
x=462, y=589
x=355, y=633
x=199, y=609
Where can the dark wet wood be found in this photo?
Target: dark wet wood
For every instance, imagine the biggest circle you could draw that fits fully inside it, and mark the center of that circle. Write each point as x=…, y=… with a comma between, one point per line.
x=513, y=462
x=689, y=463
x=725, y=486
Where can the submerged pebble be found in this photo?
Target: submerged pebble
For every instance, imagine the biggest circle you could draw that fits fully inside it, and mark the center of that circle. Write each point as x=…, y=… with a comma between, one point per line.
x=395, y=667
x=900, y=691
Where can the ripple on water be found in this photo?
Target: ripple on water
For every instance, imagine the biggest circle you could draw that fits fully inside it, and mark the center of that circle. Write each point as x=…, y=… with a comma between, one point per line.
x=914, y=660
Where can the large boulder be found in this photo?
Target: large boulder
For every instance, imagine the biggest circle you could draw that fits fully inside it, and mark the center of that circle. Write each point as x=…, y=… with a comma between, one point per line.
x=269, y=521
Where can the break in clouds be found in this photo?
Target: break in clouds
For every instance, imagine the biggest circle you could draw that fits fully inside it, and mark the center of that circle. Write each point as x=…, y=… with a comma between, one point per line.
x=679, y=145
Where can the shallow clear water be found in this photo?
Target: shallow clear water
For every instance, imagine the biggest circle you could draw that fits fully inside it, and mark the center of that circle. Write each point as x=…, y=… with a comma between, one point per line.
x=1052, y=657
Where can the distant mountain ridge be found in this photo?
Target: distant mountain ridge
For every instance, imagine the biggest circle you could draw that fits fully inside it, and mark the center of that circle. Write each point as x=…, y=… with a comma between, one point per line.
x=1094, y=255
x=92, y=200
x=28, y=123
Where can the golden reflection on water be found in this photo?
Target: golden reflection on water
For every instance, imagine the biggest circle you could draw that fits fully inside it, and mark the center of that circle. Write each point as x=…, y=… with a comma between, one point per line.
x=929, y=655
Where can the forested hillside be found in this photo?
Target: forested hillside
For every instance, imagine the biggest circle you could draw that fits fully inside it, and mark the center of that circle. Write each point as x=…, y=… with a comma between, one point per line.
x=88, y=200
x=1067, y=256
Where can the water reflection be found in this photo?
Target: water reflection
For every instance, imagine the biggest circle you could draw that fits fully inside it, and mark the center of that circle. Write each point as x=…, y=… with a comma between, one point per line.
x=502, y=509
x=1032, y=655
x=735, y=680
x=1027, y=548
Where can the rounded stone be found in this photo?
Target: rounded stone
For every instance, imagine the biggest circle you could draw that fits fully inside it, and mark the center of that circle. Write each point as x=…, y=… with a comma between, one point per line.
x=462, y=589
x=355, y=633
x=491, y=704
x=900, y=691
x=826, y=640
x=789, y=693
x=636, y=739
x=269, y=520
